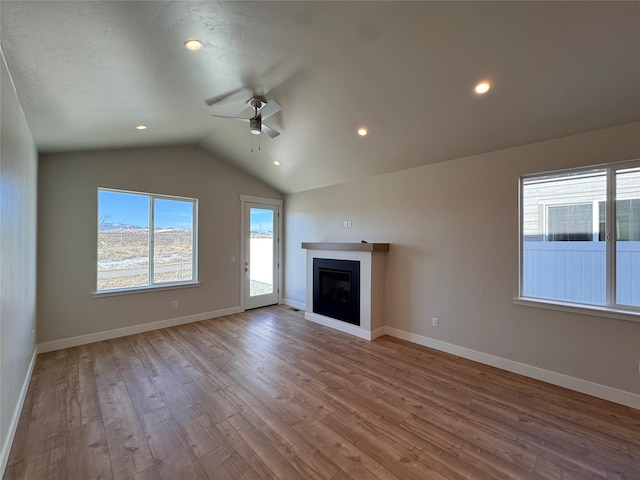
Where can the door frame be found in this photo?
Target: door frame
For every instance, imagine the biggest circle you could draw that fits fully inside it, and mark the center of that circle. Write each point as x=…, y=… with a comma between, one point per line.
x=271, y=202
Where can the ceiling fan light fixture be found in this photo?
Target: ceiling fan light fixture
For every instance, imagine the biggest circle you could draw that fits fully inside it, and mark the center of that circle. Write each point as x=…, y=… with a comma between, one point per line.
x=362, y=131
x=193, y=44
x=255, y=126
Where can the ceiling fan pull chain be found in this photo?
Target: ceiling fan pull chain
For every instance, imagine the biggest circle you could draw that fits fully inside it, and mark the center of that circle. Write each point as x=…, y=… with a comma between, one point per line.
x=256, y=116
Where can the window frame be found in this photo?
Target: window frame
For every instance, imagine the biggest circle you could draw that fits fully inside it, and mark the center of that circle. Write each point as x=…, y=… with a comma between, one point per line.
x=612, y=309
x=194, y=282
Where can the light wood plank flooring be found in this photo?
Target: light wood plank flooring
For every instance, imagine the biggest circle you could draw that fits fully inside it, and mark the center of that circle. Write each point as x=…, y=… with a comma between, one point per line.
x=266, y=394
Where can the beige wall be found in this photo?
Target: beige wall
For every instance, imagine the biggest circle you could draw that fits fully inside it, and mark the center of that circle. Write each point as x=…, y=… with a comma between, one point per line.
x=18, y=163
x=453, y=227
x=67, y=235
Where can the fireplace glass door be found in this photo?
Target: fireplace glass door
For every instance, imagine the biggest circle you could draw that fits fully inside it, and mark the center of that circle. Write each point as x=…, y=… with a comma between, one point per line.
x=336, y=289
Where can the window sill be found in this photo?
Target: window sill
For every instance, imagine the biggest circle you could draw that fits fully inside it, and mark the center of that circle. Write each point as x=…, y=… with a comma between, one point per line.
x=593, y=310
x=136, y=290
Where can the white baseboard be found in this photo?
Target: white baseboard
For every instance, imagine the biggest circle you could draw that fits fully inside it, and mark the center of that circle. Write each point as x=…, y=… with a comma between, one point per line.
x=15, y=418
x=123, y=332
x=341, y=326
x=294, y=304
x=378, y=332
x=583, y=386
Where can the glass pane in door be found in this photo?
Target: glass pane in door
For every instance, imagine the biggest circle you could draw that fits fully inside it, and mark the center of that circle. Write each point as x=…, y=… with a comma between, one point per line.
x=261, y=252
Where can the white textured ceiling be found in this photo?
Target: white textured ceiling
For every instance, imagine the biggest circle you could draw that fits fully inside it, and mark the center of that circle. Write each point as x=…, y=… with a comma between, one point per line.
x=87, y=72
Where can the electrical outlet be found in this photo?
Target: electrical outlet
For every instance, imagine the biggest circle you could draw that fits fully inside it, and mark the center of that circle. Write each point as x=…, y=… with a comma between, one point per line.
x=175, y=304
x=345, y=224
x=435, y=322
x=233, y=259
x=33, y=335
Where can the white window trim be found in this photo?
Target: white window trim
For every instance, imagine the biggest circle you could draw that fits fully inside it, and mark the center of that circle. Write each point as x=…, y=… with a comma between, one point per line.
x=612, y=309
x=144, y=289
x=583, y=309
x=160, y=286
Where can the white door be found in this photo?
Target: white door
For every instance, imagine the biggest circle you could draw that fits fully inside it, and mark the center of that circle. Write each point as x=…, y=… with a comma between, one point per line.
x=261, y=262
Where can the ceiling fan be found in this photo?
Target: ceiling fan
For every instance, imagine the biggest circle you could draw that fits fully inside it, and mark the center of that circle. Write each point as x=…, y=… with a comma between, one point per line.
x=263, y=109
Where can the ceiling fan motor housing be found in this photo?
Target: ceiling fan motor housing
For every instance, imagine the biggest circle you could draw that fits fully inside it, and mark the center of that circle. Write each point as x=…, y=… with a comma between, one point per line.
x=257, y=102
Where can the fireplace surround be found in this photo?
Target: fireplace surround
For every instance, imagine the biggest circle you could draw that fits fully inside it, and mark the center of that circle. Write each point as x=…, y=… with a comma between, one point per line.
x=366, y=319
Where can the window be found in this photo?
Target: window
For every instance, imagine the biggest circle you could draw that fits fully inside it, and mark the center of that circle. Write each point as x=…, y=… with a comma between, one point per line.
x=570, y=223
x=145, y=240
x=580, y=237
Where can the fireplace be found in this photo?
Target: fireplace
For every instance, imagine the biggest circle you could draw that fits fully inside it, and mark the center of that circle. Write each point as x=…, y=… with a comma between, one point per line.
x=345, y=286
x=336, y=289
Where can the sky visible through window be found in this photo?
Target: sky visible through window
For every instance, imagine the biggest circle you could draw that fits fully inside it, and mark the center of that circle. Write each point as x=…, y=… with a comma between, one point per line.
x=173, y=213
x=132, y=210
x=115, y=208
x=261, y=220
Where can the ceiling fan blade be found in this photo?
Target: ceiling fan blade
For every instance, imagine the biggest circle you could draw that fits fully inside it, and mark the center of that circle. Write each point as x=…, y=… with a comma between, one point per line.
x=235, y=96
x=270, y=131
x=232, y=118
x=271, y=108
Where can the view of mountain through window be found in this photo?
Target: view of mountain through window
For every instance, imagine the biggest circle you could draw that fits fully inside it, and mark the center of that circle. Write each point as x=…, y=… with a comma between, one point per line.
x=144, y=240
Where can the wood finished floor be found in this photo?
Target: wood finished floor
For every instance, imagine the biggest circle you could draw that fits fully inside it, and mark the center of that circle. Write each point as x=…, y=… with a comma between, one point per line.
x=266, y=394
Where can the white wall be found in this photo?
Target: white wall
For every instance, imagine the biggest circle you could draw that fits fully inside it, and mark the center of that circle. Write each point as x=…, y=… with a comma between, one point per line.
x=18, y=163
x=453, y=229
x=67, y=236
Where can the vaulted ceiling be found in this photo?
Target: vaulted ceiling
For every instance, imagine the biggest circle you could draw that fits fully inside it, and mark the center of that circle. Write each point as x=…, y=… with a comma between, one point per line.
x=87, y=72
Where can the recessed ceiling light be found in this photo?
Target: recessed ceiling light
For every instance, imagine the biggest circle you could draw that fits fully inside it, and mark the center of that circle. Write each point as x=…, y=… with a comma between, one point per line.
x=193, y=44
x=276, y=163
x=482, y=88
x=141, y=127
x=362, y=131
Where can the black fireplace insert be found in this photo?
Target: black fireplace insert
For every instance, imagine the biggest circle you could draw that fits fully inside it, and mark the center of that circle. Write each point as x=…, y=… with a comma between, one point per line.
x=336, y=289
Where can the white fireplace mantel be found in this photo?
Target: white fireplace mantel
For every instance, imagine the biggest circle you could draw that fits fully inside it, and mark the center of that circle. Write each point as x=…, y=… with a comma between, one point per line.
x=372, y=258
